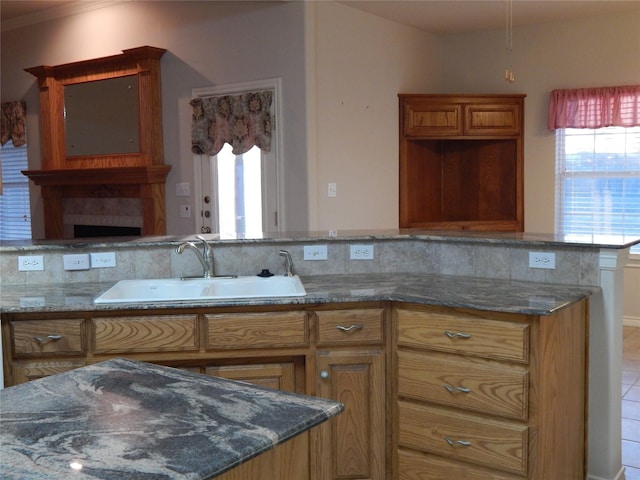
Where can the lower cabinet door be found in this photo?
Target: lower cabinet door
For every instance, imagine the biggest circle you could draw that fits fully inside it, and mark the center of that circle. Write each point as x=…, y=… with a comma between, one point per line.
x=351, y=445
x=288, y=461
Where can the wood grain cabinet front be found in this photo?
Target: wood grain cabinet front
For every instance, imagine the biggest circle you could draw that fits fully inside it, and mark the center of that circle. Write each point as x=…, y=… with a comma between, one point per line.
x=485, y=395
x=351, y=368
x=234, y=331
x=35, y=338
x=153, y=333
x=287, y=461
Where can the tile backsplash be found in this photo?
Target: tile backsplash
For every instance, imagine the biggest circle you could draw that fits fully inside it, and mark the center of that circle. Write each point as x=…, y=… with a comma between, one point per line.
x=574, y=265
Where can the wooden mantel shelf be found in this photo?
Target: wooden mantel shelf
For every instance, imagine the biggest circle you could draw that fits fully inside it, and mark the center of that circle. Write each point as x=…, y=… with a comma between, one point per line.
x=99, y=176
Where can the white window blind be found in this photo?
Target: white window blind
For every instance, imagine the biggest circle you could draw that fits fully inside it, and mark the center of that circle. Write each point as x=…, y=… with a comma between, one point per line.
x=15, y=213
x=598, y=182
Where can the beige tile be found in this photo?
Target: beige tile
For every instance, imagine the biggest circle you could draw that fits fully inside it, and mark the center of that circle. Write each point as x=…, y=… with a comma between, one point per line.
x=631, y=453
x=633, y=394
x=632, y=473
x=630, y=409
x=630, y=377
x=631, y=429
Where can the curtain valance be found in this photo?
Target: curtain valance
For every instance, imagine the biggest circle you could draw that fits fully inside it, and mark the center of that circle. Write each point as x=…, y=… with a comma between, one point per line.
x=13, y=123
x=242, y=121
x=595, y=107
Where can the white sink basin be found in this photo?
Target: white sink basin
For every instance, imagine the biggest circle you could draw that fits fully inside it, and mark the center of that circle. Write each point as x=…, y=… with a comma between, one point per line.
x=194, y=289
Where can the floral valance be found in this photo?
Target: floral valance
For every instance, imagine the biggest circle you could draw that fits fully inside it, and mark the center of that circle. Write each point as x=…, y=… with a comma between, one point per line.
x=242, y=121
x=595, y=107
x=13, y=123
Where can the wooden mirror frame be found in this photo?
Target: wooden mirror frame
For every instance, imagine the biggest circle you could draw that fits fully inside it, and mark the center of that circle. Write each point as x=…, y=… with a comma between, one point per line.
x=132, y=175
x=143, y=62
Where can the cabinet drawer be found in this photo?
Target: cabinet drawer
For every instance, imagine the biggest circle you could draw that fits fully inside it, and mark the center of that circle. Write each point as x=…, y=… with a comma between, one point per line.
x=25, y=371
x=461, y=383
x=470, y=438
x=426, y=118
x=421, y=466
x=249, y=330
x=162, y=333
x=497, y=339
x=350, y=326
x=488, y=119
x=48, y=337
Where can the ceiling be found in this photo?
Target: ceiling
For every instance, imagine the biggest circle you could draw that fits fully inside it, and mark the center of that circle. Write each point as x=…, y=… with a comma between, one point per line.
x=436, y=16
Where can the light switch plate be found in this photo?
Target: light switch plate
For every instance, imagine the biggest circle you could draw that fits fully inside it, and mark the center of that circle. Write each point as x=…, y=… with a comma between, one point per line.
x=78, y=261
x=315, y=252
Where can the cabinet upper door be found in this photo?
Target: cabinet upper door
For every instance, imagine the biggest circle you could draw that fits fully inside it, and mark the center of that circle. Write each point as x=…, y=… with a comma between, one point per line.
x=492, y=119
x=425, y=118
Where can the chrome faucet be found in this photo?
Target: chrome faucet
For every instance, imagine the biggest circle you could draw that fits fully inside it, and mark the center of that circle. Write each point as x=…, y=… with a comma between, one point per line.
x=206, y=257
x=287, y=257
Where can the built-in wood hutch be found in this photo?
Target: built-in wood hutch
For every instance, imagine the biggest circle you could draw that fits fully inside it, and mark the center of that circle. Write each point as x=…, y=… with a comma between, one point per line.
x=462, y=162
x=131, y=168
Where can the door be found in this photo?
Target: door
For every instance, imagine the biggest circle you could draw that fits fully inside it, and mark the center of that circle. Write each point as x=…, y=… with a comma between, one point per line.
x=241, y=193
x=351, y=445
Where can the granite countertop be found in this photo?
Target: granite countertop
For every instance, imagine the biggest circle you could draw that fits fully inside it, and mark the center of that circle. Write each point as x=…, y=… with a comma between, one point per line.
x=452, y=236
x=450, y=291
x=125, y=419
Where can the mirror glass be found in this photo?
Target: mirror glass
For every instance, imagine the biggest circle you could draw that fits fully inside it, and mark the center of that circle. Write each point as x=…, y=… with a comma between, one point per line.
x=101, y=117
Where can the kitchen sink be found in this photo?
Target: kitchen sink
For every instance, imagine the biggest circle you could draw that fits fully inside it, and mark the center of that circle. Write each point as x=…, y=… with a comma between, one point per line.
x=195, y=289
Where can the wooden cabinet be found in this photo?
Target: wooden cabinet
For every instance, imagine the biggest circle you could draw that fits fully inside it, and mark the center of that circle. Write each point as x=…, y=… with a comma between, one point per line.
x=350, y=368
x=429, y=392
x=482, y=395
x=289, y=460
x=462, y=162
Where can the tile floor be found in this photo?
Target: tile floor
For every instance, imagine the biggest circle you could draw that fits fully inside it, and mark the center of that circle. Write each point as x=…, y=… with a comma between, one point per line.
x=631, y=402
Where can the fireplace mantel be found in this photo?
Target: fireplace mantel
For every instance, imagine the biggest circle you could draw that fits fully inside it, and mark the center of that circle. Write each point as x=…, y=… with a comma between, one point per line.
x=146, y=183
x=138, y=174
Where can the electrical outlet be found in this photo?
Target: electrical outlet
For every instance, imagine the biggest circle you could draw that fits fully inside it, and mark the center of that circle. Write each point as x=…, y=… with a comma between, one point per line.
x=78, y=261
x=332, y=190
x=315, y=252
x=361, y=252
x=103, y=259
x=30, y=263
x=542, y=260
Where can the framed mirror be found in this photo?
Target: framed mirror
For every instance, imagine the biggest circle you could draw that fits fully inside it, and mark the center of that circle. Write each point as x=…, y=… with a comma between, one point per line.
x=101, y=117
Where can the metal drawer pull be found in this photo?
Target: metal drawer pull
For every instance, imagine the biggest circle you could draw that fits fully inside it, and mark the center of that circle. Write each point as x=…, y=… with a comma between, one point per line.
x=454, y=443
x=49, y=338
x=451, y=389
x=456, y=334
x=353, y=326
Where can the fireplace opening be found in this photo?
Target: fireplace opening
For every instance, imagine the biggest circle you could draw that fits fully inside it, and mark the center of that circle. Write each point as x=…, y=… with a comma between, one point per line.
x=87, y=231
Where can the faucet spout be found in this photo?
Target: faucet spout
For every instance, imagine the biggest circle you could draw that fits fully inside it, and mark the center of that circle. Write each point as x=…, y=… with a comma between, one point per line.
x=287, y=257
x=205, y=257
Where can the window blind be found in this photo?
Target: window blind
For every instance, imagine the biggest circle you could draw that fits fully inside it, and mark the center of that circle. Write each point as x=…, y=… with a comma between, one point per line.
x=598, y=182
x=15, y=213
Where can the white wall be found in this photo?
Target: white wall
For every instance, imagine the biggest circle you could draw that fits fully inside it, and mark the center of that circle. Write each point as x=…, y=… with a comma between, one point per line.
x=592, y=52
x=361, y=63
x=208, y=43
x=589, y=52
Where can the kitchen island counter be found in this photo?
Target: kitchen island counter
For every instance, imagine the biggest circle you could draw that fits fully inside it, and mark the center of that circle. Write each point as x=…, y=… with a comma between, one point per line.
x=125, y=419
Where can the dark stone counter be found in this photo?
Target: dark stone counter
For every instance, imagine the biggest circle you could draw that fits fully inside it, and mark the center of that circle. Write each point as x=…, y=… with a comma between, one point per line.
x=442, y=290
x=123, y=419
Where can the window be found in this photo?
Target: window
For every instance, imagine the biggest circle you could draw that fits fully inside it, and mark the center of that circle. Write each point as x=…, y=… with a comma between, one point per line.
x=15, y=214
x=598, y=182
x=237, y=193
x=239, y=190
